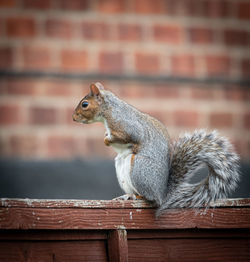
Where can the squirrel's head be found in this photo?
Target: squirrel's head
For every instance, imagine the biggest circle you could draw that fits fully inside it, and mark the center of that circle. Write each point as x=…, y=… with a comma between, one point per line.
x=88, y=110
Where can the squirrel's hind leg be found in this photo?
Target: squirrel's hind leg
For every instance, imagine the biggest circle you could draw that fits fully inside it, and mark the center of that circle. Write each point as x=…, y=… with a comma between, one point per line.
x=150, y=179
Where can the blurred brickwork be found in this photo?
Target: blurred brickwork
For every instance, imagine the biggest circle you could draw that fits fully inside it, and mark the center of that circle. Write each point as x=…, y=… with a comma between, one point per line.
x=208, y=40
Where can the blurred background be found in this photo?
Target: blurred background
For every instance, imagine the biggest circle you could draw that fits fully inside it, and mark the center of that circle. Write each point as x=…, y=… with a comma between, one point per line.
x=186, y=62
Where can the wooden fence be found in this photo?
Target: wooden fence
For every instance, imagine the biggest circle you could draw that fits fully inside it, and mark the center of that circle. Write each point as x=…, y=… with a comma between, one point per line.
x=92, y=230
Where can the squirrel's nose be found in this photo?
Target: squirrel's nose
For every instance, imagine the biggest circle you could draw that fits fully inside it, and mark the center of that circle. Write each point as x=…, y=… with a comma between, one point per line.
x=74, y=117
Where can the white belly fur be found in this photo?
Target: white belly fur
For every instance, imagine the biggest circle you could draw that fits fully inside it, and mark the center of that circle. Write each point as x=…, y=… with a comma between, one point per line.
x=122, y=164
x=123, y=167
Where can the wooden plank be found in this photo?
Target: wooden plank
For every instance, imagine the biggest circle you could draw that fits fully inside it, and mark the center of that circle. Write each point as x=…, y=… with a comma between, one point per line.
x=68, y=235
x=118, y=246
x=237, y=202
x=189, y=233
x=189, y=250
x=44, y=218
x=61, y=251
x=52, y=235
x=116, y=204
x=60, y=203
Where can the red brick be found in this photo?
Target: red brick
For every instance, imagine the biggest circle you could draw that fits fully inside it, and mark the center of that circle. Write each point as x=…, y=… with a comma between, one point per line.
x=30, y=87
x=133, y=91
x=148, y=91
x=23, y=145
x=246, y=94
x=246, y=120
x=147, y=63
x=215, y=8
x=6, y=57
x=202, y=93
x=129, y=32
x=74, y=5
x=37, y=4
x=3, y=87
x=96, y=31
x=20, y=27
x=149, y=6
x=1, y=27
x=245, y=67
x=234, y=37
x=201, y=35
x=183, y=65
x=244, y=10
x=217, y=65
x=166, y=92
x=182, y=7
x=235, y=93
x=111, y=6
x=171, y=34
x=69, y=113
x=10, y=114
x=239, y=146
x=20, y=86
x=96, y=147
x=59, y=28
x=59, y=146
x=221, y=120
x=36, y=57
x=43, y=116
x=162, y=116
x=8, y=3
x=57, y=88
x=111, y=62
x=74, y=59
x=186, y=118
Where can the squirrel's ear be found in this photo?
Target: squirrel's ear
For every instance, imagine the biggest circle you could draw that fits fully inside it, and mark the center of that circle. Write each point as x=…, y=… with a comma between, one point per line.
x=99, y=85
x=94, y=90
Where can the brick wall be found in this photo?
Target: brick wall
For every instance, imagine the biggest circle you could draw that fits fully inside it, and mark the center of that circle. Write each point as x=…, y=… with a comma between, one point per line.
x=186, y=62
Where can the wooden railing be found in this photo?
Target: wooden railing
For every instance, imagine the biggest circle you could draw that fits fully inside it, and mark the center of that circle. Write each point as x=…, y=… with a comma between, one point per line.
x=92, y=230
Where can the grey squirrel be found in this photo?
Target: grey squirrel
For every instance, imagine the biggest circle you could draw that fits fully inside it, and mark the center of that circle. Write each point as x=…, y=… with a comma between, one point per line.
x=150, y=165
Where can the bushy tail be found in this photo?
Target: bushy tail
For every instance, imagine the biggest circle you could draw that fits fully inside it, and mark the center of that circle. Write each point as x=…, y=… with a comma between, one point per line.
x=189, y=153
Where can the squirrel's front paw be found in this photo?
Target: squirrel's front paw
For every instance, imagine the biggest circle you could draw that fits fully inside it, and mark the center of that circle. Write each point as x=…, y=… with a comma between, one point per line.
x=129, y=197
x=125, y=197
x=107, y=141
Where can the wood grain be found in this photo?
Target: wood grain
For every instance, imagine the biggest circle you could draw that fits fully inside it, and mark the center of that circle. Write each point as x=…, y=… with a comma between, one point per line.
x=74, y=230
x=118, y=246
x=44, y=218
x=59, y=251
x=117, y=204
x=189, y=250
x=189, y=233
x=60, y=203
x=52, y=235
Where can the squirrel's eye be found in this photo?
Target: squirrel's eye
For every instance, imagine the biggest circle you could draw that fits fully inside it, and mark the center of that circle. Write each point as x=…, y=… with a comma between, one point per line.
x=85, y=104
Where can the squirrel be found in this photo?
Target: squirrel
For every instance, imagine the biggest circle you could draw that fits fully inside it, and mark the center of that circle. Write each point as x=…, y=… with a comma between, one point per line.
x=151, y=166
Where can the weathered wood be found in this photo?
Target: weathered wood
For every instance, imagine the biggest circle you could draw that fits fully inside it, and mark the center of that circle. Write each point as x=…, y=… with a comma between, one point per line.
x=63, y=203
x=189, y=233
x=52, y=235
x=60, y=251
x=189, y=250
x=118, y=246
x=44, y=218
x=68, y=235
x=74, y=230
x=115, y=204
